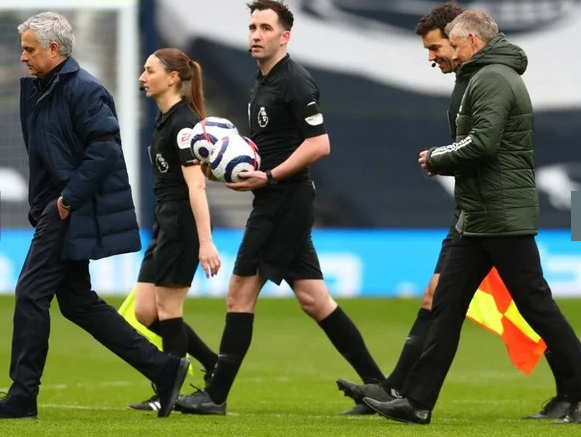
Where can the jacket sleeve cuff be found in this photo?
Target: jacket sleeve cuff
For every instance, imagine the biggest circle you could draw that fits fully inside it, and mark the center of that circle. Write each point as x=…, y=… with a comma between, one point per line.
x=430, y=162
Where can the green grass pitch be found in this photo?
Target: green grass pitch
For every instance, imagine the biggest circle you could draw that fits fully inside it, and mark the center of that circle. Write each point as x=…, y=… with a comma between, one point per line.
x=286, y=386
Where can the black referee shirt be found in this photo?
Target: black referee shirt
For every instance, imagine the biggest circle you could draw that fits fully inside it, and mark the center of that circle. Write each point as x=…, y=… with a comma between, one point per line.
x=170, y=151
x=283, y=111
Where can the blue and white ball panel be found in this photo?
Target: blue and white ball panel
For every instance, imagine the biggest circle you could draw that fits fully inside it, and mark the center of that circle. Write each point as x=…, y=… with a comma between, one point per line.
x=233, y=155
x=208, y=132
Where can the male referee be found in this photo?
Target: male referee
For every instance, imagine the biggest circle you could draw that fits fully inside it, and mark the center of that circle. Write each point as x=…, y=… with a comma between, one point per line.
x=287, y=125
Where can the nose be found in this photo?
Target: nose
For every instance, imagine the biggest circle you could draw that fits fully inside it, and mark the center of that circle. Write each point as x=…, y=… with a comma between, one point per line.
x=255, y=35
x=141, y=78
x=431, y=56
x=24, y=56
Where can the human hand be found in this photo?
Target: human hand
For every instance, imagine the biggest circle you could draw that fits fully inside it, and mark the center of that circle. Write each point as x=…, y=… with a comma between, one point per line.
x=422, y=159
x=63, y=212
x=423, y=164
x=209, y=258
x=251, y=180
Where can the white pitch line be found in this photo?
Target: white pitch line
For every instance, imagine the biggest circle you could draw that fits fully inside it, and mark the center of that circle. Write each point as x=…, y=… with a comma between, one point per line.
x=236, y=414
x=77, y=407
x=254, y=380
x=486, y=401
x=86, y=385
x=276, y=415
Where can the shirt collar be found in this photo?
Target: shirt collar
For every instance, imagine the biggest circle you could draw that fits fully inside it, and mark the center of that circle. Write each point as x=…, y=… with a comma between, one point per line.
x=274, y=69
x=162, y=117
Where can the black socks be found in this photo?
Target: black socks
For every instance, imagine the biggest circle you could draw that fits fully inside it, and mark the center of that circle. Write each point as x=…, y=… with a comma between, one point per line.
x=235, y=342
x=411, y=352
x=348, y=341
x=194, y=345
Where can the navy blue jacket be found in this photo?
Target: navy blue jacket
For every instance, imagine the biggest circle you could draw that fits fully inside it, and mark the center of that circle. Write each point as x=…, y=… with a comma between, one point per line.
x=71, y=130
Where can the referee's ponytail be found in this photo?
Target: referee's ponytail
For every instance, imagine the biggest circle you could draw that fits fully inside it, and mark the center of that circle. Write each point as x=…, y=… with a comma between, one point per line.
x=196, y=97
x=190, y=72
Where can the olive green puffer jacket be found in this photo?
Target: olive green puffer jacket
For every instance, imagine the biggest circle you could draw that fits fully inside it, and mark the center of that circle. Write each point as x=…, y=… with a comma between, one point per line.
x=492, y=158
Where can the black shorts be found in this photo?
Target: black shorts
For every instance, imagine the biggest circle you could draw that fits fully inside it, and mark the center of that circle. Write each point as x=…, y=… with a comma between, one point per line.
x=277, y=241
x=446, y=244
x=172, y=255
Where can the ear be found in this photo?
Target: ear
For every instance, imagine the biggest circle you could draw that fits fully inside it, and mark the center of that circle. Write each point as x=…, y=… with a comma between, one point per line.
x=473, y=39
x=54, y=48
x=285, y=37
x=173, y=78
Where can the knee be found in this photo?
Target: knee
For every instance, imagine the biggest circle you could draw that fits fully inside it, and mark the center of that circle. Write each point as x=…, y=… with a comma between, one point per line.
x=145, y=314
x=317, y=306
x=145, y=318
x=240, y=303
x=308, y=304
x=67, y=307
x=242, y=295
x=29, y=305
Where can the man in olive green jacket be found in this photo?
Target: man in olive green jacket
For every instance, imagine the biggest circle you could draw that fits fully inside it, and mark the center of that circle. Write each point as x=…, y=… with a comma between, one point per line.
x=492, y=161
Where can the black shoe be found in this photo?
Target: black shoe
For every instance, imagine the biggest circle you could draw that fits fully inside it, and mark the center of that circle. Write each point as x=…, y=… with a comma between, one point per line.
x=169, y=391
x=573, y=415
x=357, y=410
x=199, y=402
x=207, y=375
x=151, y=404
x=554, y=408
x=400, y=410
x=359, y=391
x=15, y=407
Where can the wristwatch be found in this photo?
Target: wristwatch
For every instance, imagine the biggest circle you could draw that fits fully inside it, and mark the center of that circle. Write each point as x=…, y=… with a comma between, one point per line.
x=64, y=204
x=270, y=178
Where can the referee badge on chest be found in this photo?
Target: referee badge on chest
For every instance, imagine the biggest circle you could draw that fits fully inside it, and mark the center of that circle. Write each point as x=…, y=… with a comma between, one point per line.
x=262, y=117
x=161, y=163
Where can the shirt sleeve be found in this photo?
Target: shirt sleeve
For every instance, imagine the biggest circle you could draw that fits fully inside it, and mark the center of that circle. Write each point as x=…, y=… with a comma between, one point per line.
x=182, y=136
x=303, y=96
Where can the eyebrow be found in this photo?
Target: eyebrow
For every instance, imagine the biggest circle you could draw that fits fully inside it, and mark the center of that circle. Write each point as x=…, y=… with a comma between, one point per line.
x=260, y=24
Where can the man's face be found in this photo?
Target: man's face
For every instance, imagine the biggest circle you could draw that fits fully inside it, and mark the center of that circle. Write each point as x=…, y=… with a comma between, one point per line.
x=266, y=36
x=39, y=61
x=464, y=46
x=440, y=51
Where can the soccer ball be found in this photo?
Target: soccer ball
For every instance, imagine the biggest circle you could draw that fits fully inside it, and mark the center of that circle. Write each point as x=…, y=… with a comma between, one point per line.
x=206, y=133
x=231, y=156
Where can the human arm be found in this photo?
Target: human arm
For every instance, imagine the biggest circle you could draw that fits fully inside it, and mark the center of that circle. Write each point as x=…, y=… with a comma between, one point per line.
x=311, y=150
x=208, y=254
x=490, y=99
x=97, y=127
x=301, y=96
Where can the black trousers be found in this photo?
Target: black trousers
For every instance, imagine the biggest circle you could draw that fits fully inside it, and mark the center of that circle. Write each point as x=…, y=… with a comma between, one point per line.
x=467, y=263
x=45, y=274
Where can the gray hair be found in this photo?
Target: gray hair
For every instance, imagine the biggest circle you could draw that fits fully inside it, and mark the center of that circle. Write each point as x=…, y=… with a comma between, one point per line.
x=477, y=22
x=51, y=27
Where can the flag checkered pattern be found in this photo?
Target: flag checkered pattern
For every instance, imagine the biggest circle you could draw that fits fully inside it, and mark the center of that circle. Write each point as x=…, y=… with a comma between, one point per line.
x=492, y=307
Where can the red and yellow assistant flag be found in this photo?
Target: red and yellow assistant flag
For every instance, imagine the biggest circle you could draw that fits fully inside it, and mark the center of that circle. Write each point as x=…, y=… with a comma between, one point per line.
x=492, y=308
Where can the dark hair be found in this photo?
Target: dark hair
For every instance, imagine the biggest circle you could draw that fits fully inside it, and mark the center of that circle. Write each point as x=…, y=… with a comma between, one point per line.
x=438, y=18
x=285, y=16
x=188, y=71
